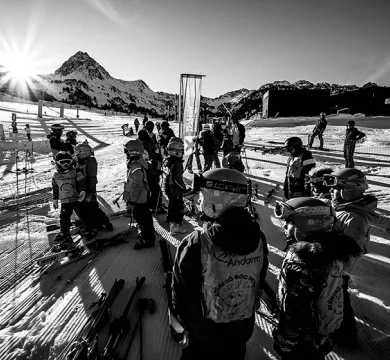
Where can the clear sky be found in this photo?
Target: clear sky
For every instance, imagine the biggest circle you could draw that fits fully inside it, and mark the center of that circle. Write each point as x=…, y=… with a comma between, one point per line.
x=236, y=44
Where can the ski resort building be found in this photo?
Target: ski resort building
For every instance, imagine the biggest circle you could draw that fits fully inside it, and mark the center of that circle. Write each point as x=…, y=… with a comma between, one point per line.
x=369, y=101
x=294, y=102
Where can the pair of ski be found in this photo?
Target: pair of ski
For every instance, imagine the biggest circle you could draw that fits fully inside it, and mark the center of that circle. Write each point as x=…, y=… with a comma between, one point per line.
x=86, y=344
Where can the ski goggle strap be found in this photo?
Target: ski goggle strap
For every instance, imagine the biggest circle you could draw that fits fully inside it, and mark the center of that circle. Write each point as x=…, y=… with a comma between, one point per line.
x=200, y=182
x=316, y=179
x=283, y=210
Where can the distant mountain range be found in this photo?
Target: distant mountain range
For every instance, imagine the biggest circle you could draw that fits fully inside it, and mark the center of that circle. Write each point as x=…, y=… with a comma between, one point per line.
x=82, y=80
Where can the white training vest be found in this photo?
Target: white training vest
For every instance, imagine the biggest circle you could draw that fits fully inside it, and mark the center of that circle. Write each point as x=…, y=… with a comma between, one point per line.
x=230, y=282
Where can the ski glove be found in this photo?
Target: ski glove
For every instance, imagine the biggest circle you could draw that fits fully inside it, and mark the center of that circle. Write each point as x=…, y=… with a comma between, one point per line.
x=81, y=196
x=55, y=204
x=88, y=198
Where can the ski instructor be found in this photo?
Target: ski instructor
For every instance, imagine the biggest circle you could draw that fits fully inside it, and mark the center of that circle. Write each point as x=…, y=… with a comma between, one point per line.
x=219, y=271
x=318, y=131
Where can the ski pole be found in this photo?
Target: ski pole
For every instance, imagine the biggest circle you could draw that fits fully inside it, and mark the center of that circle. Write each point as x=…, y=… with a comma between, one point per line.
x=116, y=201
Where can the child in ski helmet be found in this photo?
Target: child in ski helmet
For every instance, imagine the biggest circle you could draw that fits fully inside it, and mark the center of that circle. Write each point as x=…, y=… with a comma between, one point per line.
x=135, y=193
x=233, y=161
x=90, y=208
x=71, y=137
x=355, y=211
x=298, y=166
x=219, y=271
x=68, y=185
x=311, y=296
x=175, y=186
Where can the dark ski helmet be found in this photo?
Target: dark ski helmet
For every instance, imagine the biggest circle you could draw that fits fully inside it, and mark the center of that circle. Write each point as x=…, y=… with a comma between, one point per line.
x=351, y=182
x=233, y=161
x=83, y=151
x=293, y=143
x=316, y=179
x=149, y=125
x=307, y=215
x=175, y=147
x=221, y=189
x=57, y=127
x=322, y=114
x=71, y=134
x=164, y=125
x=64, y=160
x=351, y=123
x=133, y=148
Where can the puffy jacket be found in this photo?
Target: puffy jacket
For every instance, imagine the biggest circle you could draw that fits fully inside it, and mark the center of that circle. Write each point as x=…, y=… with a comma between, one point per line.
x=320, y=126
x=310, y=295
x=197, y=296
x=67, y=185
x=57, y=144
x=174, y=183
x=164, y=136
x=89, y=168
x=136, y=186
x=206, y=140
x=297, y=169
x=353, y=135
x=355, y=219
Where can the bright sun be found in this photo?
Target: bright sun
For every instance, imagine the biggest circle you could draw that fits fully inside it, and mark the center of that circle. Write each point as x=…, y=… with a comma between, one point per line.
x=20, y=67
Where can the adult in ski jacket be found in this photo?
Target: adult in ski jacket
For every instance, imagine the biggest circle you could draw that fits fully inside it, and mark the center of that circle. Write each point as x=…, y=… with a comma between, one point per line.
x=352, y=136
x=136, y=124
x=219, y=273
x=319, y=131
x=311, y=296
x=298, y=166
x=238, y=135
x=165, y=134
x=206, y=141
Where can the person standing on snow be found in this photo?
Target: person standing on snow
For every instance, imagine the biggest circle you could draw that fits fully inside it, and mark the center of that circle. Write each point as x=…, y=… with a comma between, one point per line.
x=175, y=186
x=145, y=120
x=135, y=193
x=165, y=134
x=311, y=300
x=136, y=125
x=219, y=271
x=89, y=208
x=318, y=131
x=355, y=214
x=352, y=136
x=68, y=185
x=238, y=135
x=298, y=166
x=206, y=140
x=27, y=129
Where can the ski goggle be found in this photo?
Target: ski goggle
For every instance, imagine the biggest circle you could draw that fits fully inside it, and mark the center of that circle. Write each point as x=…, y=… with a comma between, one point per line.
x=64, y=161
x=283, y=210
x=333, y=181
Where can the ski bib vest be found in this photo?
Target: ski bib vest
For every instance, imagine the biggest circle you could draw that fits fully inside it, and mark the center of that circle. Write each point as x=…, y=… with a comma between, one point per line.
x=230, y=282
x=67, y=185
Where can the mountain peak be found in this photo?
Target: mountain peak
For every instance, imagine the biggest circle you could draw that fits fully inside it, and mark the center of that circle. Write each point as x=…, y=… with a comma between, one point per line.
x=82, y=64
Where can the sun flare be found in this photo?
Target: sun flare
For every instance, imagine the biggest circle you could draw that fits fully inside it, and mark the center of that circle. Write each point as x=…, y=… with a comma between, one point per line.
x=20, y=67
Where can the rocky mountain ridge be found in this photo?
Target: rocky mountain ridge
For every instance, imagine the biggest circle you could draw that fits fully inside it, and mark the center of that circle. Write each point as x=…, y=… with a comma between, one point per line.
x=82, y=80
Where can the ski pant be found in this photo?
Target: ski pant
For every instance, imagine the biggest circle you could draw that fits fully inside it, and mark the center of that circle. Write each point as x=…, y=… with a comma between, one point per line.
x=92, y=215
x=155, y=195
x=65, y=214
x=143, y=217
x=313, y=136
x=136, y=128
x=197, y=158
x=175, y=209
x=216, y=160
x=197, y=349
x=349, y=149
x=208, y=161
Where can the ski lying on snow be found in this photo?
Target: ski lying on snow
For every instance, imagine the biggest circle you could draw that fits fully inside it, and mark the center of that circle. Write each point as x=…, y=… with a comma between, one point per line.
x=75, y=251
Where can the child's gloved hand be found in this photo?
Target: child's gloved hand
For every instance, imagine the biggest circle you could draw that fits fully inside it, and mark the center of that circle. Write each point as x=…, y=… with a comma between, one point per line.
x=55, y=204
x=81, y=196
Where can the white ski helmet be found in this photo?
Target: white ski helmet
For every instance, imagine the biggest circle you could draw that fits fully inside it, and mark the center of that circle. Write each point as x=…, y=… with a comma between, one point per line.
x=83, y=151
x=175, y=147
x=220, y=189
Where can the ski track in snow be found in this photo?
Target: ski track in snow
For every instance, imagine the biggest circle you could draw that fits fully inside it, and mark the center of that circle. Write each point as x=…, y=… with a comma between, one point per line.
x=40, y=316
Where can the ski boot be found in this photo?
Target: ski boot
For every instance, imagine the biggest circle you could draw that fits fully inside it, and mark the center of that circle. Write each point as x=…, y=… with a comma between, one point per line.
x=62, y=242
x=143, y=244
